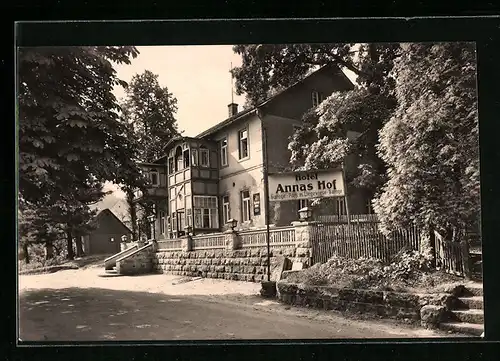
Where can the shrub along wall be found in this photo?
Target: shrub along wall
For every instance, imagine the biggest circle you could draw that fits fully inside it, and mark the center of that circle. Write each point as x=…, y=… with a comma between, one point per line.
x=241, y=264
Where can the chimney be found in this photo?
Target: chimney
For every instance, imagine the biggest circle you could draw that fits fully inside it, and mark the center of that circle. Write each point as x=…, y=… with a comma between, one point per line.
x=233, y=109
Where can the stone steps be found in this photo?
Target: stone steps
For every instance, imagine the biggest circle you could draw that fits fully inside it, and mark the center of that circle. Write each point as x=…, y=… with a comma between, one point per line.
x=472, y=302
x=468, y=316
x=463, y=327
x=473, y=289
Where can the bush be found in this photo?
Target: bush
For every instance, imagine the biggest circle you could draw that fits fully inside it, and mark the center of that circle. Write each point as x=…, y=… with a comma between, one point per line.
x=37, y=256
x=407, y=269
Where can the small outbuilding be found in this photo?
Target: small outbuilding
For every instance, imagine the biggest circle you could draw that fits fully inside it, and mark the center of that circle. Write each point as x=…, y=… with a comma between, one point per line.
x=106, y=238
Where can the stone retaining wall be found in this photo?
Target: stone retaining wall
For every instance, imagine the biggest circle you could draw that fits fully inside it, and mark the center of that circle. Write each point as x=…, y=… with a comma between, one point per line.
x=240, y=265
x=382, y=303
x=139, y=262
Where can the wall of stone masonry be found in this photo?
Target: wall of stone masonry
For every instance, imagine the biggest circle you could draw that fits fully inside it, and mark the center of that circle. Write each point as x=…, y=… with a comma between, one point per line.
x=139, y=262
x=397, y=305
x=240, y=265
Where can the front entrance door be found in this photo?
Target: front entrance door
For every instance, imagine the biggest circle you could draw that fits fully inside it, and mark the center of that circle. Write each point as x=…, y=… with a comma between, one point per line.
x=180, y=223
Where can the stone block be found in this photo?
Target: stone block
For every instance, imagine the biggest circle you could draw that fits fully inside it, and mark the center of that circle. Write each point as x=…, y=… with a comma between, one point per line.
x=440, y=299
x=431, y=316
x=401, y=300
x=302, y=252
x=255, y=252
x=363, y=296
x=268, y=289
x=219, y=268
x=255, y=261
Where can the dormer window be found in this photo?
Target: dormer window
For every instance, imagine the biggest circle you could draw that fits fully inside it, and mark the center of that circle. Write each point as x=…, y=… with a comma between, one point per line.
x=317, y=98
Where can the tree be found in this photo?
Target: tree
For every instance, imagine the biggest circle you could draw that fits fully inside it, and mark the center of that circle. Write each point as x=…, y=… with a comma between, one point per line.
x=35, y=227
x=151, y=111
x=267, y=68
x=71, y=139
x=68, y=120
x=324, y=142
x=431, y=145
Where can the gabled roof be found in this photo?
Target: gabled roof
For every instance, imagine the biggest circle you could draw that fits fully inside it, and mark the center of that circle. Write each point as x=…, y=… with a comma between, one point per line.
x=254, y=109
x=108, y=211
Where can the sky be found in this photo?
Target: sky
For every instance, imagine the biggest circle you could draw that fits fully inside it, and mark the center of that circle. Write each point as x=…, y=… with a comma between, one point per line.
x=198, y=76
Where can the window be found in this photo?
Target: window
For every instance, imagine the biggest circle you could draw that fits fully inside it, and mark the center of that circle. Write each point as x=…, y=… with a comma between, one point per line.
x=186, y=158
x=341, y=207
x=194, y=156
x=206, y=213
x=223, y=152
x=174, y=222
x=153, y=176
x=204, y=157
x=162, y=222
x=170, y=165
x=226, y=215
x=245, y=206
x=182, y=222
x=189, y=217
x=243, y=143
x=179, y=162
x=316, y=99
x=303, y=203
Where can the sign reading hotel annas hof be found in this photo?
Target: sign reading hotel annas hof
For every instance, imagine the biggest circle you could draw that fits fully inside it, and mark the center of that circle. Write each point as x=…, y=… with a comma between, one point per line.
x=306, y=185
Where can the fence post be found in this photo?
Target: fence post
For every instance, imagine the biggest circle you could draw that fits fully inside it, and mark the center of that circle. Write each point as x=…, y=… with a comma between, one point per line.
x=464, y=247
x=232, y=240
x=303, y=250
x=187, y=243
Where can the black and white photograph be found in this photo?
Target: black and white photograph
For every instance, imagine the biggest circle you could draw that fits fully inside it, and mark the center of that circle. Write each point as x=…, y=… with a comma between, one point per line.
x=293, y=191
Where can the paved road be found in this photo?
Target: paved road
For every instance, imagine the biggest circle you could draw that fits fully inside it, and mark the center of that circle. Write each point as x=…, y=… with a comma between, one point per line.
x=102, y=313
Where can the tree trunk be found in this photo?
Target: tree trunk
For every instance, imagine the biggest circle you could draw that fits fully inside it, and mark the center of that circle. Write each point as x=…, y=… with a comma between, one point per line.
x=26, y=253
x=432, y=245
x=49, y=250
x=133, y=214
x=79, y=246
x=69, y=238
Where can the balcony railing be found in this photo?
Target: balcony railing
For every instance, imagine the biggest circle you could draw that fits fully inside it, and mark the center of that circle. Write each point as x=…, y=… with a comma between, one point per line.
x=152, y=192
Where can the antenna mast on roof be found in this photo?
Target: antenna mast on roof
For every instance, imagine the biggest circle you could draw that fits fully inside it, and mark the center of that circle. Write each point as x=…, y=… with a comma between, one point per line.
x=232, y=90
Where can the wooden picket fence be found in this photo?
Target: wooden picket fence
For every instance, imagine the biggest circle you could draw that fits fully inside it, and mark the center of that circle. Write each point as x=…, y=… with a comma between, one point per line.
x=452, y=257
x=354, y=218
x=358, y=240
